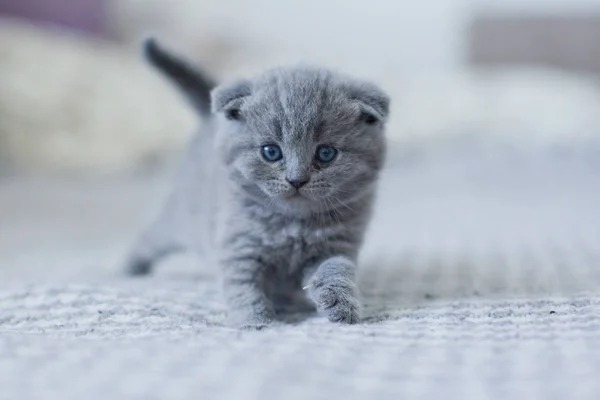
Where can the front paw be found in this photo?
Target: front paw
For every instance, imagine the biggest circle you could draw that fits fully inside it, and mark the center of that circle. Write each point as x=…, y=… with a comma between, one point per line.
x=337, y=300
x=250, y=321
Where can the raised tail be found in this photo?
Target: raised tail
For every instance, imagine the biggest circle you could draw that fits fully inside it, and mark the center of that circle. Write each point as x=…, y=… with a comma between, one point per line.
x=193, y=83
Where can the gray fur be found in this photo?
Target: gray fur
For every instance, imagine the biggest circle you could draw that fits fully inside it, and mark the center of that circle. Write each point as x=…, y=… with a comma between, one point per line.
x=270, y=242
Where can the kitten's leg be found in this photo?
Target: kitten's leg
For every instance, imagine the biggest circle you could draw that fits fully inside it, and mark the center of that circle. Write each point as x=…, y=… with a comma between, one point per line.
x=331, y=286
x=149, y=249
x=243, y=286
x=156, y=242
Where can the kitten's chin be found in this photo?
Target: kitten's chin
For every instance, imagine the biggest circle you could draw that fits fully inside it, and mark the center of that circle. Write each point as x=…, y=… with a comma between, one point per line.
x=297, y=205
x=293, y=203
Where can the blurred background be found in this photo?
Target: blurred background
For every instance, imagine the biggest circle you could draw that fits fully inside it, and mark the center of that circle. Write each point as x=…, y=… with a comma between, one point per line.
x=76, y=98
x=495, y=115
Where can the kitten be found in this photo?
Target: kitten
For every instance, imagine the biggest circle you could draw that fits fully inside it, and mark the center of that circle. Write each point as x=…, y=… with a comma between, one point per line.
x=280, y=179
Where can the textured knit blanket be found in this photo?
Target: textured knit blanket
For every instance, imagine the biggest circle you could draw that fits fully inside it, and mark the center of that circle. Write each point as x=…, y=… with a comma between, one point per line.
x=480, y=279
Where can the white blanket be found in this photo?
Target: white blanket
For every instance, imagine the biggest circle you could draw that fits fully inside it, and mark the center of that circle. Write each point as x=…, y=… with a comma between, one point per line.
x=480, y=278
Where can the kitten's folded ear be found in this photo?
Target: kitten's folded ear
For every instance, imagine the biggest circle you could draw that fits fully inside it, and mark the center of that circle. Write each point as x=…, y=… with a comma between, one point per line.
x=372, y=97
x=227, y=97
x=192, y=82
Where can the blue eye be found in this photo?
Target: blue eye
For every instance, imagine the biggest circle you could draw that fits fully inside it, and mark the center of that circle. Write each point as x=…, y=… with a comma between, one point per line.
x=272, y=153
x=326, y=154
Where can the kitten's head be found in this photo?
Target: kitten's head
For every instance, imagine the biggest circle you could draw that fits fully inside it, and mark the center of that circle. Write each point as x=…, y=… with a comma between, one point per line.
x=302, y=139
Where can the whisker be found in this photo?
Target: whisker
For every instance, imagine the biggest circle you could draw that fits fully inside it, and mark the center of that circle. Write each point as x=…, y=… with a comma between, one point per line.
x=322, y=223
x=334, y=211
x=342, y=203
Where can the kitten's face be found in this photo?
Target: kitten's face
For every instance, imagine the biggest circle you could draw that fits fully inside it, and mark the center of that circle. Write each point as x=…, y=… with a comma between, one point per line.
x=304, y=140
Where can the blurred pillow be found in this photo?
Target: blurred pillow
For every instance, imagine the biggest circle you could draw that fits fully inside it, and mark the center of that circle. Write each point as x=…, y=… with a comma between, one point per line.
x=520, y=107
x=75, y=104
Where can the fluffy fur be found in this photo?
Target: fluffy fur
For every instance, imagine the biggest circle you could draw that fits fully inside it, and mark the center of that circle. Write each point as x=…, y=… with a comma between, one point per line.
x=278, y=245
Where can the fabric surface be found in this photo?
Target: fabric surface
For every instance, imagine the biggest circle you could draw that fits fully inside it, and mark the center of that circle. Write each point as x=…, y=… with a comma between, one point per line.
x=480, y=279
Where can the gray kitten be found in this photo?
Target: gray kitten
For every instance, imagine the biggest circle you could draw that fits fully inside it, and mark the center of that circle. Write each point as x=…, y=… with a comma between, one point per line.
x=280, y=180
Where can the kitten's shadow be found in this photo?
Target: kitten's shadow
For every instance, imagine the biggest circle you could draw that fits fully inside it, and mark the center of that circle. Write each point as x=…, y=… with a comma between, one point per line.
x=393, y=286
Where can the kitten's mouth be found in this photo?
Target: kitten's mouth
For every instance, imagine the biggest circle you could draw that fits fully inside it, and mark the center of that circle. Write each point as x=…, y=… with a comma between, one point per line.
x=295, y=196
